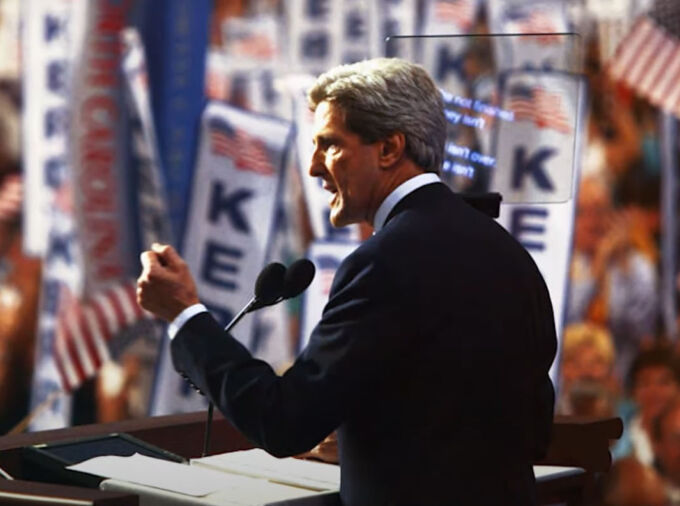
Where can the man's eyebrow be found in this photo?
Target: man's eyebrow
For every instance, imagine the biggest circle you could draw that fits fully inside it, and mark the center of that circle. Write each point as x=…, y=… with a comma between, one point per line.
x=321, y=139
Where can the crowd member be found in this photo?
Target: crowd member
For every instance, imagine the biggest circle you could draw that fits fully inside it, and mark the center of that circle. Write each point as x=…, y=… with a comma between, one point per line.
x=587, y=385
x=19, y=275
x=655, y=382
x=631, y=483
x=432, y=355
x=613, y=282
x=666, y=442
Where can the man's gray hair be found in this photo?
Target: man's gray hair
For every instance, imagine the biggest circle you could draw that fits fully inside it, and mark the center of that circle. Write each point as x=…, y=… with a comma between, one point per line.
x=386, y=95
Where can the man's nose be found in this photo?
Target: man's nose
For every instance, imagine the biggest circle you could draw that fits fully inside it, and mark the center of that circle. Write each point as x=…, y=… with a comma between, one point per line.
x=316, y=166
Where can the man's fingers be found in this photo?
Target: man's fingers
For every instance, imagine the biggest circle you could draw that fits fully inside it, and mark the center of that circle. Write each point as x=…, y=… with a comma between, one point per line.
x=167, y=254
x=149, y=260
x=152, y=267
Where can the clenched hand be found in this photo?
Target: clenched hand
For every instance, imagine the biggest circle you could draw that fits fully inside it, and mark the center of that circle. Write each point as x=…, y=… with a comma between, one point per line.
x=165, y=287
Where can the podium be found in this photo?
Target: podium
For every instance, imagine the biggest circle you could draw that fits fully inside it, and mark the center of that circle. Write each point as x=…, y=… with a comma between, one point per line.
x=578, y=442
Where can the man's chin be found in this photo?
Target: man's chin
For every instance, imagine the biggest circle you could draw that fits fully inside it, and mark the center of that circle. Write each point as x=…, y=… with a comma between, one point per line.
x=338, y=219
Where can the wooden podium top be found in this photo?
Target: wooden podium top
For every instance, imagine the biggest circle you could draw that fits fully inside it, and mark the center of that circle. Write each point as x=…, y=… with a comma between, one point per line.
x=578, y=442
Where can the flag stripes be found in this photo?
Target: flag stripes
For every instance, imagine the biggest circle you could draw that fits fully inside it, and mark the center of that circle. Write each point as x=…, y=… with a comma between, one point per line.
x=648, y=61
x=85, y=328
x=542, y=107
x=459, y=12
x=247, y=152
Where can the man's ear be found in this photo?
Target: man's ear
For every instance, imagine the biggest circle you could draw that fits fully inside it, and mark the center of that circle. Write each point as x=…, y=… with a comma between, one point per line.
x=392, y=149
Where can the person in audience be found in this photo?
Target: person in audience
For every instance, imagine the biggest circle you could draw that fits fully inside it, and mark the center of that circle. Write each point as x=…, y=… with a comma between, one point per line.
x=19, y=274
x=655, y=382
x=666, y=443
x=587, y=385
x=631, y=483
x=613, y=282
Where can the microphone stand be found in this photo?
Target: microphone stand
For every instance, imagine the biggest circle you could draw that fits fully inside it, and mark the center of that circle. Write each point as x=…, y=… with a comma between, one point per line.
x=211, y=407
x=272, y=286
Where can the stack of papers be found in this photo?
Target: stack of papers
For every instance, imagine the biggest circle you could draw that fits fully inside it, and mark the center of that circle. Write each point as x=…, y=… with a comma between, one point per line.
x=155, y=473
x=290, y=471
x=159, y=481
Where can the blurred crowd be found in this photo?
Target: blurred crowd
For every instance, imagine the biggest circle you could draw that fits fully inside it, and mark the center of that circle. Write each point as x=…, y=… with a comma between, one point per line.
x=617, y=357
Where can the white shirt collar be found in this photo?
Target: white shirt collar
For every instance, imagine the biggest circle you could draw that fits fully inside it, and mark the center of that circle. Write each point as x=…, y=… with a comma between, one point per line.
x=399, y=193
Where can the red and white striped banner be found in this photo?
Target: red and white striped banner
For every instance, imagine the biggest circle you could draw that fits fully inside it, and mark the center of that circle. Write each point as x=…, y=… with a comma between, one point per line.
x=85, y=328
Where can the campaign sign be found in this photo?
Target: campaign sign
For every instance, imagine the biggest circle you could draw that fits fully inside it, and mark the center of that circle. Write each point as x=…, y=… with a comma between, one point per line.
x=327, y=257
x=314, y=35
x=535, y=152
x=234, y=198
x=231, y=221
x=544, y=24
x=47, y=54
x=392, y=17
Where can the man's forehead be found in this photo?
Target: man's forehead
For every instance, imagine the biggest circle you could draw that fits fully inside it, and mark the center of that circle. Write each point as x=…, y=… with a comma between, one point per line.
x=328, y=114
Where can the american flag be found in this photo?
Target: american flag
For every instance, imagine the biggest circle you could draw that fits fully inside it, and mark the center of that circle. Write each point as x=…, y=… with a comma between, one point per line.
x=648, y=58
x=540, y=106
x=84, y=329
x=536, y=21
x=11, y=195
x=248, y=152
x=257, y=46
x=459, y=12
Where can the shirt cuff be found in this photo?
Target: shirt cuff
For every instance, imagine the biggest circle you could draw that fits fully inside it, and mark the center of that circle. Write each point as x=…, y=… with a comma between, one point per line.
x=184, y=317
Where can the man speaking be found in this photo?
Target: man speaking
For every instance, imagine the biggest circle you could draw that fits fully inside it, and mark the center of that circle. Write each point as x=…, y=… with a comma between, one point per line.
x=431, y=357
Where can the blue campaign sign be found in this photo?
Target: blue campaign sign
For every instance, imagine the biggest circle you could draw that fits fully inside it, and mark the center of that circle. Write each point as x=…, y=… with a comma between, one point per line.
x=175, y=36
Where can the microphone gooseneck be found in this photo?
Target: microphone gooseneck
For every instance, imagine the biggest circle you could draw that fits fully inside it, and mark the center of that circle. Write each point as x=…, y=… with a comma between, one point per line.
x=274, y=284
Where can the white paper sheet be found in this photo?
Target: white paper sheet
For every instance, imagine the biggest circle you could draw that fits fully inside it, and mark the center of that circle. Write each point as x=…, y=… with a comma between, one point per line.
x=543, y=473
x=158, y=473
x=258, y=463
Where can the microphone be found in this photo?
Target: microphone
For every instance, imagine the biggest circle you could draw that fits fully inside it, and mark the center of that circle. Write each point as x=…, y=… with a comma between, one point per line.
x=274, y=284
x=298, y=277
x=268, y=289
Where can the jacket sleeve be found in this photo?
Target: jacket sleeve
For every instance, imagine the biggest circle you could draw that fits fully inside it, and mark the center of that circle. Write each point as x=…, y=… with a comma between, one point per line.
x=347, y=355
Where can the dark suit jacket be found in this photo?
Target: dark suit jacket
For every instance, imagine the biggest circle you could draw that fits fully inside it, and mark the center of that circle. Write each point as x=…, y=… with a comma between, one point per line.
x=431, y=358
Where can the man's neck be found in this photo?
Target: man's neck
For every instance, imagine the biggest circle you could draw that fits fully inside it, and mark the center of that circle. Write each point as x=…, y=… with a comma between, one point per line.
x=393, y=178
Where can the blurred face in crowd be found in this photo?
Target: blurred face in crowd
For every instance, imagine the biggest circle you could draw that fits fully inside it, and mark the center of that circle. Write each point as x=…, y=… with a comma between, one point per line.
x=586, y=362
x=668, y=447
x=654, y=388
x=348, y=167
x=593, y=213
